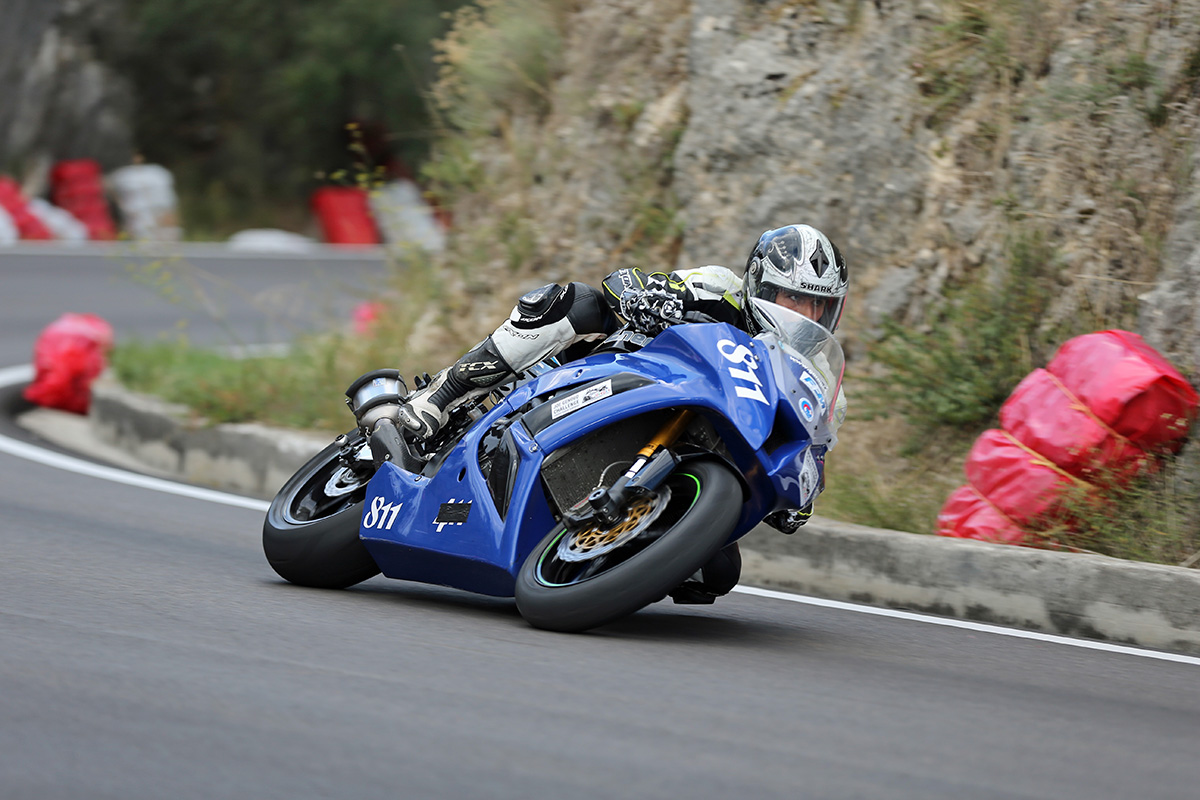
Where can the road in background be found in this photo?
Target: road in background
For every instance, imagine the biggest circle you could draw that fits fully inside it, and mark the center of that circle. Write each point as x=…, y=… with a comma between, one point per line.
x=149, y=651
x=212, y=295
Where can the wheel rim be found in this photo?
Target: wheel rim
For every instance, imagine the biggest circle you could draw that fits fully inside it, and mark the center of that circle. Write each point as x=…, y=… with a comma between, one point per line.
x=595, y=541
x=330, y=489
x=619, y=544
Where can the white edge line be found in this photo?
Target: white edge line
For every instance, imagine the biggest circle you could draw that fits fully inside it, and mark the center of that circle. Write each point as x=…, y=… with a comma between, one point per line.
x=948, y=622
x=49, y=458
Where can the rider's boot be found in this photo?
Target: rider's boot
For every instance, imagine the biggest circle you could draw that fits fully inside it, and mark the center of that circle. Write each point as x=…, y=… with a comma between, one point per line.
x=475, y=374
x=717, y=577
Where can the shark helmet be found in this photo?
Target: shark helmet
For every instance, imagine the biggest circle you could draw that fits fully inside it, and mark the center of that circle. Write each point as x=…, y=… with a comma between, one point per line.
x=800, y=261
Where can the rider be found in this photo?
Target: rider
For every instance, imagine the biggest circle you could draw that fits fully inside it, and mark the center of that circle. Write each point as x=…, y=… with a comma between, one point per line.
x=795, y=266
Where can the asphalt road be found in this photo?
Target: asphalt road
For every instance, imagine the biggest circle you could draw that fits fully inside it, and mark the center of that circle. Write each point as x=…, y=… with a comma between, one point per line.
x=148, y=651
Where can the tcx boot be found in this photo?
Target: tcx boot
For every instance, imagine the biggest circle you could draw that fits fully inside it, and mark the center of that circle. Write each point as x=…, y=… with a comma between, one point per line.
x=475, y=374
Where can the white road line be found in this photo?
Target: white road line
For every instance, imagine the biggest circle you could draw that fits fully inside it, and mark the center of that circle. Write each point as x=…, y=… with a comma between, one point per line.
x=968, y=625
x=13, y=375
x=50, y=458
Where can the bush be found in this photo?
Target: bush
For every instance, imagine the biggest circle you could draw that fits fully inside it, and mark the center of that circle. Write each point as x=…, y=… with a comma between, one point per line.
x=1152, y=517
x=980, y=345
x=498, y=57
x=245, y=100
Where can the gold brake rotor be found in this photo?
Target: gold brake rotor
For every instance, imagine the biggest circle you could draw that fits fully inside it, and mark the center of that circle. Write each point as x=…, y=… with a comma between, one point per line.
x=594, y=541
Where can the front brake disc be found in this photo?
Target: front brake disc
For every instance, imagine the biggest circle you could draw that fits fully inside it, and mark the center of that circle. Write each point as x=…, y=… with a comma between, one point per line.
x=593, y=541
x=343, y=481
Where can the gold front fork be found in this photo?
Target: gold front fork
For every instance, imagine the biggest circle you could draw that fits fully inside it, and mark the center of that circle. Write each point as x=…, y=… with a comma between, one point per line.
x=666, y=437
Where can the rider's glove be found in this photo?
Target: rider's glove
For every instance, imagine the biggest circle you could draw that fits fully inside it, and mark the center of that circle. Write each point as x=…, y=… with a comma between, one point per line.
x=654, y=307
x=651, y=310
x=789, y=520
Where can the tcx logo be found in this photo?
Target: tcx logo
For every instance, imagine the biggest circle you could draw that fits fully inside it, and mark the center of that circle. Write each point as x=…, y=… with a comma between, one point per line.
x=748, y=383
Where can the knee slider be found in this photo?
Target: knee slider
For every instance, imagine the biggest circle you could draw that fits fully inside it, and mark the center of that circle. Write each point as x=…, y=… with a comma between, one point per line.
x=542, y=306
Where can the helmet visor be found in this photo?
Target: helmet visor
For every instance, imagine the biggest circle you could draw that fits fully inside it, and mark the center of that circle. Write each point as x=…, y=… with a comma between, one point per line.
x=823, y=310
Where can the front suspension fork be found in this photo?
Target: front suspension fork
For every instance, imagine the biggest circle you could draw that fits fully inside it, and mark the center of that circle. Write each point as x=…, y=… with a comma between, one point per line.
x=653, y=464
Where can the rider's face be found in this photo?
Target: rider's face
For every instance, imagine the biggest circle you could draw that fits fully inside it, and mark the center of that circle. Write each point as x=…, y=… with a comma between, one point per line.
x=811, y=307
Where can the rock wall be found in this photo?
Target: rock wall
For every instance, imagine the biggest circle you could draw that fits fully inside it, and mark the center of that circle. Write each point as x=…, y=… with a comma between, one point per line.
x=838, y=113
x=926, y=136
x=60, y=99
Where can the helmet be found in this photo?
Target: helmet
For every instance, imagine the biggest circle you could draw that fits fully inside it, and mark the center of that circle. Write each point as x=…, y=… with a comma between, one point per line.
x=800, y=262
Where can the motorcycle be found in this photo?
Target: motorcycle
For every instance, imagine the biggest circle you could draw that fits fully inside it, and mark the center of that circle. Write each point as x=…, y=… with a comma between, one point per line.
x=586, y=490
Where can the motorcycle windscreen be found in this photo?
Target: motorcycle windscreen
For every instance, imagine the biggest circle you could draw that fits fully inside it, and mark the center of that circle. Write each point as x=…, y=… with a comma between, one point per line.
x=812, y=348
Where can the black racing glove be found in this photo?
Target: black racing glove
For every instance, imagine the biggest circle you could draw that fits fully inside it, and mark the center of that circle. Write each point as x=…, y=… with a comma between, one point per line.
x=789, y=520
x=659, y=305
x=651, y=310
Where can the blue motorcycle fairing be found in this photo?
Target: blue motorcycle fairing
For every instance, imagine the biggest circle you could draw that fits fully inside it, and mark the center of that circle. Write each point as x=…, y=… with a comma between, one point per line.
x=712, y=366
x=446, y=529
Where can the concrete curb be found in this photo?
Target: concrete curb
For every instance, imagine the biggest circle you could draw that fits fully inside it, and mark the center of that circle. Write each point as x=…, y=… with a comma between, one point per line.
x=1091, y=597
x=247, y=457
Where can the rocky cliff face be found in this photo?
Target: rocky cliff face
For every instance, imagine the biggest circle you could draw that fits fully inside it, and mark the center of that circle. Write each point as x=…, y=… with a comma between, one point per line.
x=925, y=136
x=60, y=99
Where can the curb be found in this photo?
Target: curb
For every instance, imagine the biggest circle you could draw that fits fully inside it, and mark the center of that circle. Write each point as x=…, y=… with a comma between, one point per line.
x=249, y=458
x=1070, y=594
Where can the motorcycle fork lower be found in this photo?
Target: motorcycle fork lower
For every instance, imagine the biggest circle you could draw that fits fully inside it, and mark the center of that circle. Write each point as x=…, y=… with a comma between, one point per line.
x=653, y=464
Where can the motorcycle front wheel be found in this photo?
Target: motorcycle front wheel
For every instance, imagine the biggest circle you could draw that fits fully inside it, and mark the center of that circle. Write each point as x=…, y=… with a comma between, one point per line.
x=559, y=591
x=310, y=535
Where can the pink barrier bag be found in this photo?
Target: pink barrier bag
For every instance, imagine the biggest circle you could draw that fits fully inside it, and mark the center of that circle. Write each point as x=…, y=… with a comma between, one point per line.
x=1105, y=406
x=68, y=356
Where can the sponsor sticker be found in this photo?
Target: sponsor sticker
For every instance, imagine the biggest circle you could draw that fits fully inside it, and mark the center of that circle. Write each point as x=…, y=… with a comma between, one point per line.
x=810, y=478
x=574, y=402
x=806, y=409
x=818, y=392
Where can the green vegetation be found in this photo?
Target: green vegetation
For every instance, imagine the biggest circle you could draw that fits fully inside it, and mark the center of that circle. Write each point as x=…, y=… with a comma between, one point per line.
x=299, y=389
x=1154, y=516
x=495, y=65
x=247, y=100
x=983, y=44
x=979, y=344
x=498, y=59
x=860, y=489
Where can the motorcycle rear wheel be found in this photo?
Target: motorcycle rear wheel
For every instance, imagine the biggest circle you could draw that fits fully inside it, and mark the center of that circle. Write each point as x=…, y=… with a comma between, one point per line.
x=310, y=534
x=571, y=596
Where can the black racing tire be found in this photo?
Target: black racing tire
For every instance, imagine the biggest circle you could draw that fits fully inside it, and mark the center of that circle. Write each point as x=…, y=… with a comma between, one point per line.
x=310, y=538
x=704, y=508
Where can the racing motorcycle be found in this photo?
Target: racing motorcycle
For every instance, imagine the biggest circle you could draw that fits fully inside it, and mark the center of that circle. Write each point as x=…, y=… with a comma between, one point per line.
x=586, y=490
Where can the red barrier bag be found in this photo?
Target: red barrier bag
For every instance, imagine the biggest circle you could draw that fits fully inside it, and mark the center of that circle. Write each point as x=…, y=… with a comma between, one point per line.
x=68, y=356
x=1128, y=386
x=345, y=215
x=1022, y=484
x=1103, y=408
x=78, y=186
x=968, y=515
x=1042, y=415
x=13, y=200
